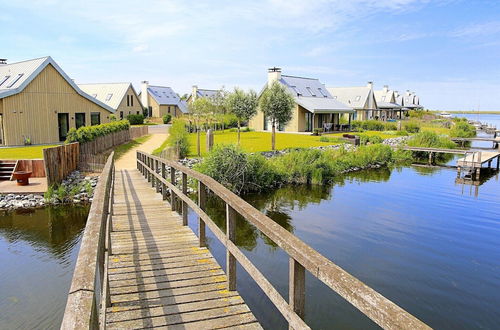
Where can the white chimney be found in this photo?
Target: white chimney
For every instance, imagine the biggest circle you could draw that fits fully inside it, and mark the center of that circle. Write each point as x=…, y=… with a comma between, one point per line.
x=273, y=74
x=407, y=92
x=3, y=61
x=369, y=84
x=144, y=94
x=396, y=93
x=194, y=92
x=386, y=88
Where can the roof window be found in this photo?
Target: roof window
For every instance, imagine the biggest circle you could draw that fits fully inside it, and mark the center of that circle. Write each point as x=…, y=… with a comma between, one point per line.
x=310, y=91
x=296, y=90
x=109, y=96
x=15, y=80
x=383, y=98
x=322, y=92
x=4, y=80
x=357, y=98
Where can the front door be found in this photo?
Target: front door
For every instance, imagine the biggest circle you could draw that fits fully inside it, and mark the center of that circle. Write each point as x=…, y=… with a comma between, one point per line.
x=63, y=122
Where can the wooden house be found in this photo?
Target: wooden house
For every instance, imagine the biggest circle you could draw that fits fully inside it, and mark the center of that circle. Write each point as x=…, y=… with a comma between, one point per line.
x=160, y=101
x=39, y=103
x=360, y=98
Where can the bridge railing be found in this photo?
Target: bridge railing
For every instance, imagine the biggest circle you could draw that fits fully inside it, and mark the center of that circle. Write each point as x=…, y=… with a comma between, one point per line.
x=89, y=292
x=302, y=257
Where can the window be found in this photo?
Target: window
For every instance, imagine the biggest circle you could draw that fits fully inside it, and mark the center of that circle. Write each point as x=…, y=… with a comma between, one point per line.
x=137, y=112
x=95, y=118
x=121, y=114
x=128, y=101
x=383, y=98
x=310, y=91
x=296, y=90
x=406, y=99
x=109, y=96
x=357, y=98
x=4, y=80
x=322, y=92
x=131, y=100
x=79, y=119
x=15, y=80
x=168, y=109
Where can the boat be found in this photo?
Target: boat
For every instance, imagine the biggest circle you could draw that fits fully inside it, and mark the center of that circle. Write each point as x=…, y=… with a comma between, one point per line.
x=445, y=115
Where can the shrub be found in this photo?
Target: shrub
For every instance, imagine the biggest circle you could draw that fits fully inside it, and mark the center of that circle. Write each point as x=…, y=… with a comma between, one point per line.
x=412, y=127
x=317, y=131
x=136, y=119
x=431, y=140
x=391, y=126
x=402, y=133
x=364, y=139
x=230, y=120
x=238, y=171
x=90, y=133
x=112, y=118
x=179, y=138
x=367, y=125
x=167, y=118
x=462, y=129
x=324, y=139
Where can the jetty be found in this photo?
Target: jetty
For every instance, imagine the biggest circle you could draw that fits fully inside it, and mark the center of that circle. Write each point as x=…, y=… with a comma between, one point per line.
x=494, y=139
x=141, y=266
x=474, y=162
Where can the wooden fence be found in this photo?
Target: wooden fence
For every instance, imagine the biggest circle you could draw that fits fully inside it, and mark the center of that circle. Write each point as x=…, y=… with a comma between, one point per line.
x=138, y=131
x=302, y=257
x=103, y=143
x=60, y=161
x=35, y=166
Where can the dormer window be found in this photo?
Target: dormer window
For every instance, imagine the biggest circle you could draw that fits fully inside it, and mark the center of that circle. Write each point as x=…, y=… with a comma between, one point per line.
x=15, y=80
x=383, y=98
x=310, y=91
x=4, y=80
x=109, y=96
x=357, y=98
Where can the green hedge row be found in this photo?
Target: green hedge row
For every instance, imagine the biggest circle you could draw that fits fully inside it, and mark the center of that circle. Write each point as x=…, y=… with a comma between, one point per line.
x=90, y=133
x=373, y=125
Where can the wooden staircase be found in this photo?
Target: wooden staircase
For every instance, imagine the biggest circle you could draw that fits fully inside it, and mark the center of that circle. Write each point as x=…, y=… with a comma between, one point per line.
x=7, y=167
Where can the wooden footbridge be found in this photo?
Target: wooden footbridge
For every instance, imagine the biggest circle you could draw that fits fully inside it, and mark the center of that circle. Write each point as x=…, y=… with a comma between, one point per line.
x=141, y=266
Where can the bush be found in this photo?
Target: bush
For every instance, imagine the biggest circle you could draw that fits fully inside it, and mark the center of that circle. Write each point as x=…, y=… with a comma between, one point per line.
x=167, y=118
x=431, y=140
x=402, y=133
x=317, y=131
x=365, y=139
x=112, y=118
x=136, y=119
x=367, y=125
x=179, y=138
x=324, y=139
x=412, y=127
x=90, y=133
x=462, y=129
x=238, y=171
x=391, y=127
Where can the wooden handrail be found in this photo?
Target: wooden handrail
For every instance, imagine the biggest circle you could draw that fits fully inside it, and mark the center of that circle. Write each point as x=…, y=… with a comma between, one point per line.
x=302, y=257
x=86, y=291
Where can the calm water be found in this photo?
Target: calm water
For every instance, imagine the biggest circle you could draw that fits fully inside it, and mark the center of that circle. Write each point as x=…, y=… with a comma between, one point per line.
x=412, y=234
x=491, y=119
x=38, y=251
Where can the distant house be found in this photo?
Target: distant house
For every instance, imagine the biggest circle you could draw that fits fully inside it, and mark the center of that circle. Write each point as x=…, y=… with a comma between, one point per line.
x=361, y=98
x=315, y=107
x=121, y=97
x=160, y=101
x=199, y=93
x=411, y=101
x=386, y=102
x=39, y=103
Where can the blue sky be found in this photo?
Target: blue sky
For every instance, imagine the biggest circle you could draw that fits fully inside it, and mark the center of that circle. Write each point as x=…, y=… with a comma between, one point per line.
x=447, y=51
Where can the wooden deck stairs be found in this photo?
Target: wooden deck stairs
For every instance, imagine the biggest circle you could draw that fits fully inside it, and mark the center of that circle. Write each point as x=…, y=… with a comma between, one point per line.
x=6, y=169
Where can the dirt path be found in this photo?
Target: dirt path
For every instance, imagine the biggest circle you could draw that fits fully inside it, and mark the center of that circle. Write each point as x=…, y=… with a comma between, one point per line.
x=128, y=160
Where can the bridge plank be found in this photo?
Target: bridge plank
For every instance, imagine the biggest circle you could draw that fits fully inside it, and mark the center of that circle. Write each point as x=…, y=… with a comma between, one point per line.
x=158, y=274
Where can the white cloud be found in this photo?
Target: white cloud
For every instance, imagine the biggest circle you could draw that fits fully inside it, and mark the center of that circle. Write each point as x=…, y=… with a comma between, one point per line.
x=479, y=29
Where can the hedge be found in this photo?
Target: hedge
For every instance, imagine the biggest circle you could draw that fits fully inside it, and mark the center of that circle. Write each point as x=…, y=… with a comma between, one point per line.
x=135, y=119
x=90, y=133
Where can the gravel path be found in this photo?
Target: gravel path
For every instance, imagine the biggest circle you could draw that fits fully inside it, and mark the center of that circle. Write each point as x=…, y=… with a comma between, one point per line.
x=128, y=160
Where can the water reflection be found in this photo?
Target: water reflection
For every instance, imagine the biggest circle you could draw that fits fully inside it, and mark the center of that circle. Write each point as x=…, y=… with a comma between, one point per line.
x=38, y=249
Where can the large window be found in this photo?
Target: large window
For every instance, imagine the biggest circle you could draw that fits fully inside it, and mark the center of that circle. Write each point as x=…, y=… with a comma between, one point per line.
x=131, y=100
x=79, y=119
x=309, y=123
x=95, y=118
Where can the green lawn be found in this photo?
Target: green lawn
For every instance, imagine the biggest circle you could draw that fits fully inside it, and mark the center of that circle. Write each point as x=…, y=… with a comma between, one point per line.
x=123, y=148
x=258, y=141
x=30, y=152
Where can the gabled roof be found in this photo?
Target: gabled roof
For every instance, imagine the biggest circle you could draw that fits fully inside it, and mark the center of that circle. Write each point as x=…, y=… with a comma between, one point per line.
x=311, y=94
x=110, y=94
x=386, y=99
x=206, y=92
x=15, y=77
x=356, y=97
x=167, y=96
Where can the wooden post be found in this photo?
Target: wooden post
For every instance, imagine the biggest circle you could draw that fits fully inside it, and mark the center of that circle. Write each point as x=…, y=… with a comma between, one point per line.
x=202, y=203
x=230, y=259
x=172, y=194
x=184, y=204
x=148, y=165
x=478, y=173
x=459, y=171
x=430, y=158
x=157, y=181
x=297, y=288
x=153, y=169
x=164, y=186
x=209, y=140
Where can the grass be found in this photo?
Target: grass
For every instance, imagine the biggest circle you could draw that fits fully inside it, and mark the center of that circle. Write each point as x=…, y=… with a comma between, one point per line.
x=258, y=141
x=29, y=152
x=123, y=148
x=438, y=130
x=158, y=150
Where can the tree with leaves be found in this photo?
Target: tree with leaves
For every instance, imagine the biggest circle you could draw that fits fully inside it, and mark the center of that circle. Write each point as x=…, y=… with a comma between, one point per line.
x=242, y=105
x=277, y=105
x=219, y=102
x=200, y=110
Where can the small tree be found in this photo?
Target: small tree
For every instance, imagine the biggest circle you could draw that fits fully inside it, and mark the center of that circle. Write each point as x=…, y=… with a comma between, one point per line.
x=277, y=105
x=242, y=105
x=200, y=110
x=219, y=102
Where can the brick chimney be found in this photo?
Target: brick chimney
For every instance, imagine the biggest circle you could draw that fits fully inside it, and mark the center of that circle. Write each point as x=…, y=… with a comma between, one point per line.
x=273, y=74
x=144, y=94
x=194, y=92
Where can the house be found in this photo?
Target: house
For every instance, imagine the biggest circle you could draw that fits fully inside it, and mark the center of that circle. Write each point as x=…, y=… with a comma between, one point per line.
x=387, y=105
x=161, y=101
x=199, y=93
x=411, y=101
x=315, y=107
x=361, y=98
x=39, y=103
x=121, y=97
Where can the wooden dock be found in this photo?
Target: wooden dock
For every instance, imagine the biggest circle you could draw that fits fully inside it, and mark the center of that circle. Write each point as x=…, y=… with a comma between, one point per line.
x=158, y=274
x=477, y=159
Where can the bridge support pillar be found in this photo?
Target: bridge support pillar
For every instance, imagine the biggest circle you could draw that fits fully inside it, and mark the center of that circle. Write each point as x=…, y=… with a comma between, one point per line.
x=230, y=259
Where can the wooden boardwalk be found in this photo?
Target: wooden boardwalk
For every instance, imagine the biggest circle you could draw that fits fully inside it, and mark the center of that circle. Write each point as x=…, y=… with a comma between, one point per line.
x=158, y=274
x=478, y=159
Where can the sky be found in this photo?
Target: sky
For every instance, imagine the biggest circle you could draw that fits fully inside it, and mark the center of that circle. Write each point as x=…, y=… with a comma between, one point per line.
x=446, y=51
